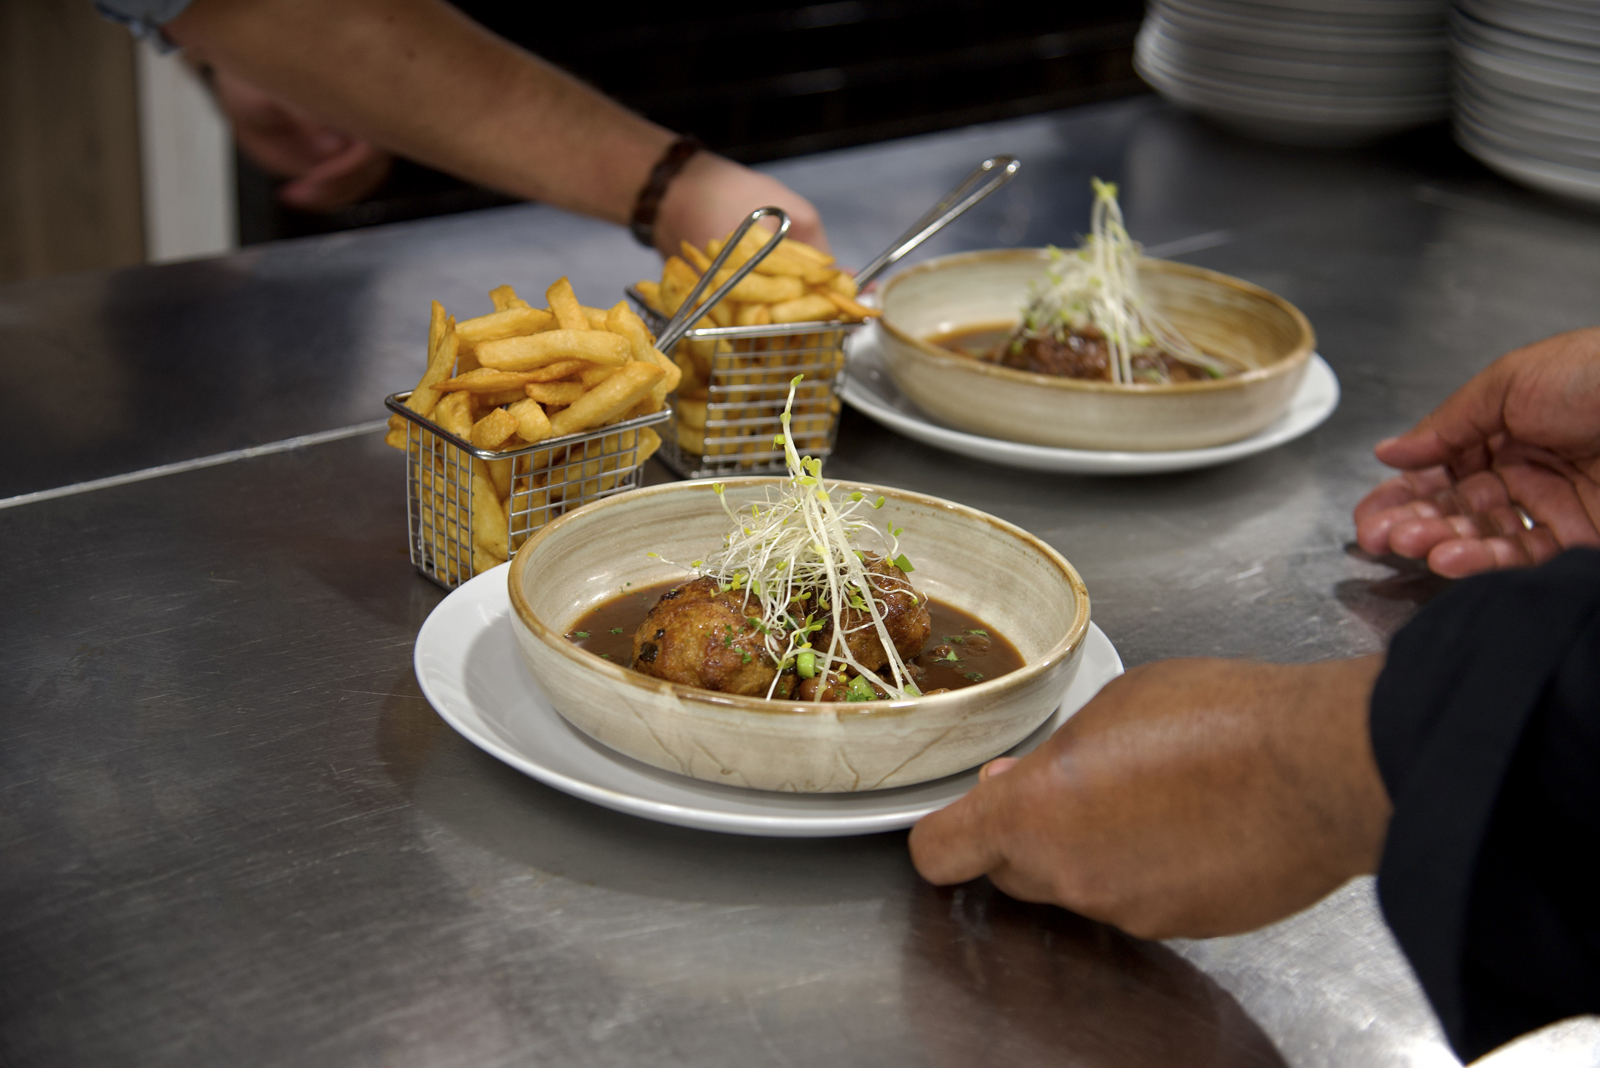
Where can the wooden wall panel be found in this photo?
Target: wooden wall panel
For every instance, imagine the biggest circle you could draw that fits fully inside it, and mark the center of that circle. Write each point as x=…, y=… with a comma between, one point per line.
x=69, y=141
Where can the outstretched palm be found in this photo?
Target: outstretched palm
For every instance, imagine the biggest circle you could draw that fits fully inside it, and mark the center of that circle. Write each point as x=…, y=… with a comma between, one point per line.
x=1505, y=473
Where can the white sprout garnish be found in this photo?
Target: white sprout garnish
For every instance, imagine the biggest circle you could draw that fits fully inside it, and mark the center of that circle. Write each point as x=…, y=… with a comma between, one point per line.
x=1097, y=285
x=796, y=557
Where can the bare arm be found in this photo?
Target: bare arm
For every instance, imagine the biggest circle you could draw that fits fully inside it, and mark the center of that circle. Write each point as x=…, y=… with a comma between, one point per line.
x=420, y=79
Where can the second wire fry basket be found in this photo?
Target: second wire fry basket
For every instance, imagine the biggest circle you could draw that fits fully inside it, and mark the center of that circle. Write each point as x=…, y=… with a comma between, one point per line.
x=748, y=370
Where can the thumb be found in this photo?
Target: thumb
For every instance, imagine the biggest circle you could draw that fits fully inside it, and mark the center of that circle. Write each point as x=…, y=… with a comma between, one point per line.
x=955, y=844
x=1467, y=419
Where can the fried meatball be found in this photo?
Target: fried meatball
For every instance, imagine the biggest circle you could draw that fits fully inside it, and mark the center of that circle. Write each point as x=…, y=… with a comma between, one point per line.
x=905, y=616
x=698, y=636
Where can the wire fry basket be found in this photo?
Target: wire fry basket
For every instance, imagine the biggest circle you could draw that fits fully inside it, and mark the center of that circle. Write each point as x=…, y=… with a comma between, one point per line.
x=731, y=431
x=451, y=487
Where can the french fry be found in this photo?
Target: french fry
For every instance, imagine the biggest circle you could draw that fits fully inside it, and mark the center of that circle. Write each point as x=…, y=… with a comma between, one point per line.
x=812, y=306
x=850, y=307
x=692, y=413
x=532, y=424
x=486, y=380
x=488, y=517
x=454, y=413
x=596, y=317
x=649, y=442
x=500, y=473
x=505, y=298
x=493, y=429
x=651, y=292
x=843, y=284
x=677, y=279
x=621, y=320
x=747, y=314
x=441, y=361
x=593, y=376
x=500, y=399
x=800, y=248
x=555, y=392
x=697, y=259
x=763, y=288
x=565, y=307
x=609, y=399
x=552, y=372
x=537, y=350
x=512, y=322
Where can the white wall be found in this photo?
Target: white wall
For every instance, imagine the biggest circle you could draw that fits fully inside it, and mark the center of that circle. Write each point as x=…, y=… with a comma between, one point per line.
x=186, y=156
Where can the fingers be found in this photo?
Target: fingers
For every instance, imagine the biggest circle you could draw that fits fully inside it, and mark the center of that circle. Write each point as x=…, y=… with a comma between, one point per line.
x=997, y=766
x=955, y=844
x=339, y=180
x=1469, y=417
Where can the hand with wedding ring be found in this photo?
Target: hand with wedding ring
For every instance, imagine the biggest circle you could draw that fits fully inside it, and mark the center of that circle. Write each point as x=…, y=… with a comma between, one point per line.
x=1504, y=473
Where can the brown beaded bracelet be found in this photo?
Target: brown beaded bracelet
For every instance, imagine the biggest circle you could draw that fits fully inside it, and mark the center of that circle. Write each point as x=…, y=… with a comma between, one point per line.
x=643, y=221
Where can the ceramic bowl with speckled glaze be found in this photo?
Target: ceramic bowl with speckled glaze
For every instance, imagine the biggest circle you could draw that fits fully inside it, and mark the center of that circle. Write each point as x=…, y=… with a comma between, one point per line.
x=1015, y=583
x=1221, y=315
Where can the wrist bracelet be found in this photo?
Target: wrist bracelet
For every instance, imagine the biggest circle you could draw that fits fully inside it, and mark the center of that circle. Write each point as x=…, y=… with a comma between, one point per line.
x=648, y=203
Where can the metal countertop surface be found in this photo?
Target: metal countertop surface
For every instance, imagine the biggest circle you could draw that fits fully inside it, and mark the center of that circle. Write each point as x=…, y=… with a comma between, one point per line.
x=233, y=831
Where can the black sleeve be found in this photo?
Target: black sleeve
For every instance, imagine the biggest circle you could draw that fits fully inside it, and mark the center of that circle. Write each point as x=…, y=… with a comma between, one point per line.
x=1486, y=726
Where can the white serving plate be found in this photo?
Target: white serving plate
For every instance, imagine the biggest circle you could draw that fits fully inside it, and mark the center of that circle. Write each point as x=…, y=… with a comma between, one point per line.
x=469, y=669
x=870, y=390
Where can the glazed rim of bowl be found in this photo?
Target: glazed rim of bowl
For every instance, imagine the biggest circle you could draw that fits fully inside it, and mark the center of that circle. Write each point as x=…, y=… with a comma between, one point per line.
x=1305, y=343
x=628, y=677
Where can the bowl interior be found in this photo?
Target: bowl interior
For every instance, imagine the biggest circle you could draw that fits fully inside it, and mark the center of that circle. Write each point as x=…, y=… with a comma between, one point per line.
x=1016, y=584
x=1223, y=316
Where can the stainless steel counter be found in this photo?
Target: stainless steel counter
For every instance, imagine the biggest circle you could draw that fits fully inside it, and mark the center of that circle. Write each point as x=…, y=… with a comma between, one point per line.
x=231, y=830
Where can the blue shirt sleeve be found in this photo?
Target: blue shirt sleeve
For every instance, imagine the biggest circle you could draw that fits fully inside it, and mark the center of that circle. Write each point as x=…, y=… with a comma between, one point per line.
x=144, y=17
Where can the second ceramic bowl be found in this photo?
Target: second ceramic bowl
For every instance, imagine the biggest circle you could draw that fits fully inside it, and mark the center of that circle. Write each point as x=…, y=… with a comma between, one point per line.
x=1005, y=576
x=1221, y=315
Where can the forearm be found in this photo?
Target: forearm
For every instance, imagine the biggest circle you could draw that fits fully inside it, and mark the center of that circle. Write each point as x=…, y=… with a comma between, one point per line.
x=420, y=79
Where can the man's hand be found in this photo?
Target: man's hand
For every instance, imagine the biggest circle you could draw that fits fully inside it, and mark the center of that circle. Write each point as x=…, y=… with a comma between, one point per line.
x=1190, y=798
x=1522, y=434
x=327, y=168
x=712, y=195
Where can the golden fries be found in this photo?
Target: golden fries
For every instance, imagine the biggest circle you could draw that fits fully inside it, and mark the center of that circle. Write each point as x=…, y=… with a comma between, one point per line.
x=510, y=379
x=793, y=284
x=536, y=350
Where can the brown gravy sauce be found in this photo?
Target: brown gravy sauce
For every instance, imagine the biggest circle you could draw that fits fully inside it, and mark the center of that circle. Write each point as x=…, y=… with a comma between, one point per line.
x=962, y=650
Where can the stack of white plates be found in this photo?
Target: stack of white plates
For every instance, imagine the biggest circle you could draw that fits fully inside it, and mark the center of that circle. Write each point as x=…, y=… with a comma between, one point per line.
x=1528, y=91
x=1326, y=72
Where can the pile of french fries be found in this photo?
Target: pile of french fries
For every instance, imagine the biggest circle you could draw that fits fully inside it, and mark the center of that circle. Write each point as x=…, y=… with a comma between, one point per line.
x=795, y=283
x=514, y=378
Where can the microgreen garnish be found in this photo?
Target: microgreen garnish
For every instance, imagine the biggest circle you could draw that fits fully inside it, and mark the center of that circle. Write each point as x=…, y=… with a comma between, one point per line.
x=979, y=631
x=616, y=630
x=796, y=547
x=580, y=634
x=974, y=676
x=1096, y=286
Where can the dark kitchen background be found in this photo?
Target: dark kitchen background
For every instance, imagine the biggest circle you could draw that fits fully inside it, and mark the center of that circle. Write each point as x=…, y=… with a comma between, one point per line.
x=760, y=81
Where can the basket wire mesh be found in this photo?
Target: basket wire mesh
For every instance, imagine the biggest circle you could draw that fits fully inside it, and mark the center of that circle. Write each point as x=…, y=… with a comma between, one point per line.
x=748, y=370
x=454, y=489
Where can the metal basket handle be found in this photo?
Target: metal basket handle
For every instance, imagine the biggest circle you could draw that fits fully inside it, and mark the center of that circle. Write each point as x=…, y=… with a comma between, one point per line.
x=689, y=312
x=967, y=192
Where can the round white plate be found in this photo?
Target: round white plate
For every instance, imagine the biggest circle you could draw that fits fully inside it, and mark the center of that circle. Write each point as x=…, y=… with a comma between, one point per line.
x=870, y=391
x=467, y=663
